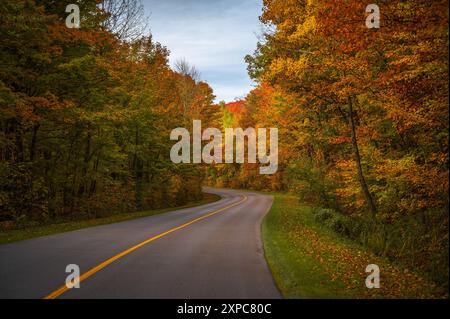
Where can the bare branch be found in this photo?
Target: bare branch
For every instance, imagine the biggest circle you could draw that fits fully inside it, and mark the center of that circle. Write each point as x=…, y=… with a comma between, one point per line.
x=125, y=18
x=183, y=67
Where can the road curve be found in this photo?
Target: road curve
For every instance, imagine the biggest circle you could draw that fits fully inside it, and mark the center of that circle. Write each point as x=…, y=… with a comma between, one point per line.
x=210, y=251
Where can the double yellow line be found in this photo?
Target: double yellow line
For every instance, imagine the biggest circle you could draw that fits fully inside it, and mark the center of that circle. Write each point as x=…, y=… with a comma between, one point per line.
x=58, y=292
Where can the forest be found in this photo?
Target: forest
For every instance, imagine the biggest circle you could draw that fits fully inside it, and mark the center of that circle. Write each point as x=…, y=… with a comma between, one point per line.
x=86, y=114
x=363, y=122
x=362, y=115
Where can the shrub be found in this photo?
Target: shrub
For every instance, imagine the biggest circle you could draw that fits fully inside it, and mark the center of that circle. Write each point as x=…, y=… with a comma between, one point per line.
x=322, y=214
x=335, y=221
x=418, y=241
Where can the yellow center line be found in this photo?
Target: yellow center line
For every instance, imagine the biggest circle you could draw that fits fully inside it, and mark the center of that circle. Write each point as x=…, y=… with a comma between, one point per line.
x=58, y=292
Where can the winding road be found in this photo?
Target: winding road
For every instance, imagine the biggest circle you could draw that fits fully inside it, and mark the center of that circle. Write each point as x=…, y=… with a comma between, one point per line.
x=210, y=251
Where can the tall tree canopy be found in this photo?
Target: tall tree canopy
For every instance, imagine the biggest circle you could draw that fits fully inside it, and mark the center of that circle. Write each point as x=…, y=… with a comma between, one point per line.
x=85, y=114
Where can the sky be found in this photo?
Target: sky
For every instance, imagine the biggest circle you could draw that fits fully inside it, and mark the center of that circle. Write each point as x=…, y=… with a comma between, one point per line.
x=212, y=35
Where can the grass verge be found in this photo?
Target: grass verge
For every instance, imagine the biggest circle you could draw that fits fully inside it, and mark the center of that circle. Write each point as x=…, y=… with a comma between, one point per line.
x=50, y=229
x=308, y=260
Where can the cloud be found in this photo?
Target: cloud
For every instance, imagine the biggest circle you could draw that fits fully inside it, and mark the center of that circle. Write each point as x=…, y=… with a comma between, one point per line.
x=214, y=36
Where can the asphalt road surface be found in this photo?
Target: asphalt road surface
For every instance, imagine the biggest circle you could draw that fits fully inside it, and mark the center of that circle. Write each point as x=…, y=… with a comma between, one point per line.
x=210, y=251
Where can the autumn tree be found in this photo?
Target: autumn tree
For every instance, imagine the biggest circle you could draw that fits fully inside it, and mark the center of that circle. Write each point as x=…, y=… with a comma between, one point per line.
x=86, y=114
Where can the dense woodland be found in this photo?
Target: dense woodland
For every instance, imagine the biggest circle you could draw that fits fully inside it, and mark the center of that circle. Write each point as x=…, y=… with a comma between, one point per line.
x=86, y=115
x=363, y=120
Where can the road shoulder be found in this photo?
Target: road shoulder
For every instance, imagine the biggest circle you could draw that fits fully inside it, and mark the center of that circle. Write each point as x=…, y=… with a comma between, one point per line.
x=309, y=261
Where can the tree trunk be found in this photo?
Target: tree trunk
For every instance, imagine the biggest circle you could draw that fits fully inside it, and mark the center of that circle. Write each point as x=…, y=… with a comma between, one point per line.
x=138, y=174
x=34, y=142
x=367, y=196
x=84, y=189
x=18, y=141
